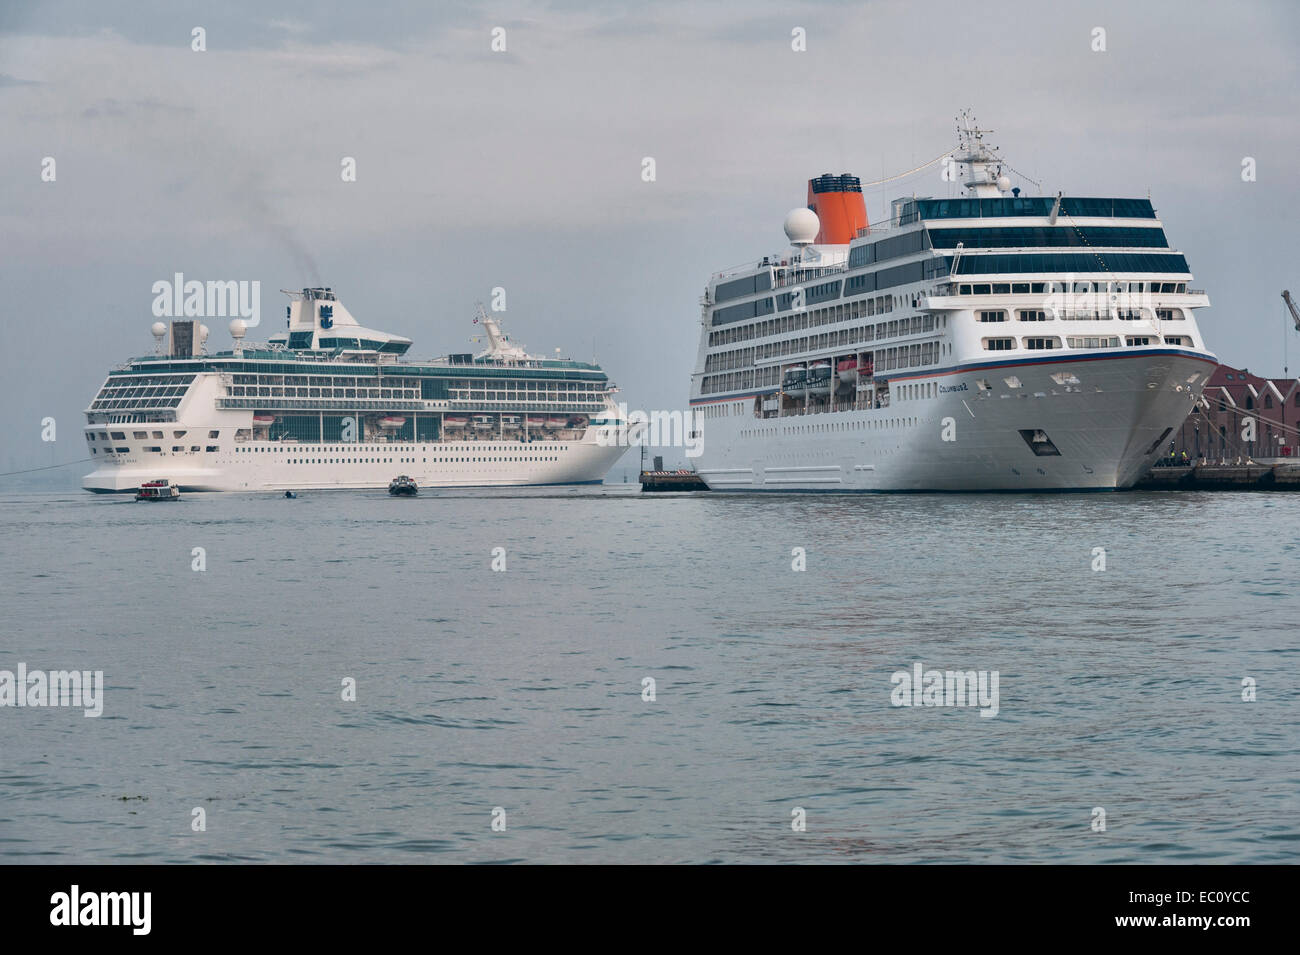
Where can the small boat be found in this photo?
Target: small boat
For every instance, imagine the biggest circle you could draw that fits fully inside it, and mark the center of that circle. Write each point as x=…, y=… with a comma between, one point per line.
x=510, y=420
x=848, y=369
x=263, y=420
x=796, y=382
x=557, y=422
x=403, y=486
x=162, y=490
x=454, y=421
x=290, y=494
x=392, y=421
x=483, y=422
x=536, y=421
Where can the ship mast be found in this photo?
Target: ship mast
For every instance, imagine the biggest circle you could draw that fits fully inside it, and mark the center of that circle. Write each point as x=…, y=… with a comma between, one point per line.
x=498, y=345
x=984, y=178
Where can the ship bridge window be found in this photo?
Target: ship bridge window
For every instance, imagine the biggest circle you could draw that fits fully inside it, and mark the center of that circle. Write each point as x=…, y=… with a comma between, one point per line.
x=1002, y=264
x=992, y=315
x=1041, y=344
x=999, y=344
x=1032, y=315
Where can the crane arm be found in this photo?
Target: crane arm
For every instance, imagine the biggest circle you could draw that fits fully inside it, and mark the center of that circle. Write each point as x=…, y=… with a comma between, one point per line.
x=1290, y=303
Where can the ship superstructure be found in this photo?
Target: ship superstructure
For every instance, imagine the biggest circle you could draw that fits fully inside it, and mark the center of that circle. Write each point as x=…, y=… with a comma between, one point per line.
x=329, y=403
x=985, y=342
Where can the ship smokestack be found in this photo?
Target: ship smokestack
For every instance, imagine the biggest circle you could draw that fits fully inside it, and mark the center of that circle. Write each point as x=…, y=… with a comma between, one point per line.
x=839, y=205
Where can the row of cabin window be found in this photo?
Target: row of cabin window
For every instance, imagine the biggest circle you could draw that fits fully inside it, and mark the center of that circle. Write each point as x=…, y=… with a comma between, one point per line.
x=845, y=312
x=1102, y=341
x=744, y=357
x=1077, y=315
x=1077, y=288
x=142, y=435
x=412, y=460
x=157, y=449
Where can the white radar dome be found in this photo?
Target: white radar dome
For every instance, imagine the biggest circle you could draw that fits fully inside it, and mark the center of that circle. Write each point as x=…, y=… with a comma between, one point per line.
x=802, y=226
x=237, y=328
x=158, y=329
x=1004, y=184
x=203, y=333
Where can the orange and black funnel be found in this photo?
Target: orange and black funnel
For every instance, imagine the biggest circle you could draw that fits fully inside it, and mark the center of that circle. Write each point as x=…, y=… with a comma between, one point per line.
x=839, y=205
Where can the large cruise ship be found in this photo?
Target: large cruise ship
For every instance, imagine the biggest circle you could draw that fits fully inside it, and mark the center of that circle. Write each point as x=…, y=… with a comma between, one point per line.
x=986, y=342
x=330, y=404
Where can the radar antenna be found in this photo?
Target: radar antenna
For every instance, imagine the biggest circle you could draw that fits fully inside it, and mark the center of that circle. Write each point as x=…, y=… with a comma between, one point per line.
x=984, y=176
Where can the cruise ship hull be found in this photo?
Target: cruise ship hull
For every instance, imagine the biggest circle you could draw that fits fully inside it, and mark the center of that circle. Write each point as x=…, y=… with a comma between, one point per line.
x=1106, y=416
x=274, y=466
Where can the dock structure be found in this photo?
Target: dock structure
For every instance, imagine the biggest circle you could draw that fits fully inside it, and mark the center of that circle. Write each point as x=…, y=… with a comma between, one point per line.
x=679, y=480
x=1223, y=477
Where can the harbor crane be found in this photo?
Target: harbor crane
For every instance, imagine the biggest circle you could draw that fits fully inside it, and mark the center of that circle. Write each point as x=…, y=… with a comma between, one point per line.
x=1290, y=303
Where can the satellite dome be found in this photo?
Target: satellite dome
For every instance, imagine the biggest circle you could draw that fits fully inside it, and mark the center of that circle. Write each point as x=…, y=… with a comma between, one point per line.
x=1003, y=183
x=158, y=329
x=203, y=333
x=237, y=328
x=802, y=226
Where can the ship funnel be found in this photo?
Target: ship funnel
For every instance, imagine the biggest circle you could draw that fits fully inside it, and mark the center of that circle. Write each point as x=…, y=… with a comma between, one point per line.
x=839, y=205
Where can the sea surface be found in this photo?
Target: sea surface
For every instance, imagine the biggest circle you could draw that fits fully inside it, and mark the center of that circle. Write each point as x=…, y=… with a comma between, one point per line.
x=517, y=695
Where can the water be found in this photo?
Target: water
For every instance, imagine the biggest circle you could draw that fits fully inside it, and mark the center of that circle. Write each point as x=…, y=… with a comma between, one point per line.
x=476, y=689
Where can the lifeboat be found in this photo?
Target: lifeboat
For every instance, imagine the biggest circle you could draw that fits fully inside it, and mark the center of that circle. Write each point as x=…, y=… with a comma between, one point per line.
x=796, y=381
x=536, y=421
x=263, y=420
x=819, y=378
x=392, y=421
x=557, y=422
x=483, y=422
x=510, y=420
x=455, y=421
x=848, y=370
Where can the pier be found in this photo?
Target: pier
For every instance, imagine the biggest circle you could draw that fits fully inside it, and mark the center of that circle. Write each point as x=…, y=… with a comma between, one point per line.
x=1222, y=477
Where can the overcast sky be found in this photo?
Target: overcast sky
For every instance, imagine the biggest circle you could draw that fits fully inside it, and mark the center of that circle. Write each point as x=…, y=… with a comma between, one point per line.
x=522, y=168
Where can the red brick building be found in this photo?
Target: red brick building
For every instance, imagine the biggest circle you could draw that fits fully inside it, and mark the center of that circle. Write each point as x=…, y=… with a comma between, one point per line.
x=1218, y=429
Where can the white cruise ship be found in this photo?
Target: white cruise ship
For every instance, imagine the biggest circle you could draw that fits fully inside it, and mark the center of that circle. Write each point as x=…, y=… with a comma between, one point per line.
x=330, y=404
x=987, y=342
